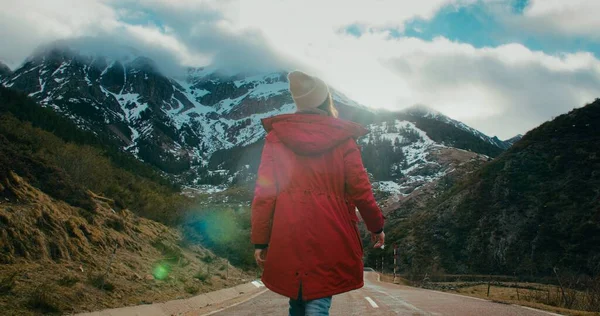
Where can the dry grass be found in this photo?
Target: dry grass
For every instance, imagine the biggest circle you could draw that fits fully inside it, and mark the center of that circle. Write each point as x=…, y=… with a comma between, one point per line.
x=534, y=295
x=539, y=298
x=45, y=300
x=48, y=242
x=7, y=283
x=68, y=281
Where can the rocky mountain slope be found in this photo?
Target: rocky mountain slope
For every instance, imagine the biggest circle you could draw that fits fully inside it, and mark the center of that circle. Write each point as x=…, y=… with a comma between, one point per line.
x=425, y=112
x=533, y=209
x=173, y=123
x=200, y=128
x=513, y=140
x=404, y=158
x=456, y=164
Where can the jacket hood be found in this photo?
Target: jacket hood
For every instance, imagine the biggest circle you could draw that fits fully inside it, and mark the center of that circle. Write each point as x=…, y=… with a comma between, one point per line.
x=310, y=134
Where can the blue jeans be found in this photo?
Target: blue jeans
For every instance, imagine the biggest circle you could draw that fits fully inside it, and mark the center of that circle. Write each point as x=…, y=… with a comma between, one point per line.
x=318, y=307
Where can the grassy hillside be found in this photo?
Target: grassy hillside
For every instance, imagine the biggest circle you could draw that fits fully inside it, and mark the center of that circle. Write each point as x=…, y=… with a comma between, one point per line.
x=25, y=109
x=69, y=199
x=57, y=259
x=65, y=161
x=533, y=209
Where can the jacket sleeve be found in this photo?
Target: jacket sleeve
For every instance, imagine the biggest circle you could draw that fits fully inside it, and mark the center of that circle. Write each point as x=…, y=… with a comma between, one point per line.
x=358, y=188
x=265, y=195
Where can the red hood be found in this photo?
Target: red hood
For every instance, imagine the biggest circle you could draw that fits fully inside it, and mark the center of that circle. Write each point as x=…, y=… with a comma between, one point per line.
x=310, y=134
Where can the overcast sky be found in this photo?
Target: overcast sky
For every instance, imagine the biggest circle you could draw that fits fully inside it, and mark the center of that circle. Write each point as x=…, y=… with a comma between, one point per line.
x=501, y=66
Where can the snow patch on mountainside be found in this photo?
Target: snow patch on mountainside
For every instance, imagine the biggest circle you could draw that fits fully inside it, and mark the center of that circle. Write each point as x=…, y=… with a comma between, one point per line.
x=414, y=141
x=427, y=112
x=269, y=89
x=389, y=186
x=418, y=168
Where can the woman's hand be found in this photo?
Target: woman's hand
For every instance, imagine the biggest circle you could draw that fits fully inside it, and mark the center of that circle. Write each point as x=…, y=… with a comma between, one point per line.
x=259, y=256
x=378, y=239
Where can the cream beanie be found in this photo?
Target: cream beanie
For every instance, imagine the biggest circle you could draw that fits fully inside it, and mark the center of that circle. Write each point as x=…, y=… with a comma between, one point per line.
x=307, y=91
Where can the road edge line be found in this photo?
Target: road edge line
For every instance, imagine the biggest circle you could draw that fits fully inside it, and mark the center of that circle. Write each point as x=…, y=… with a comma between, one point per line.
x=475, y=298
x=538, y=310
x=492, y=301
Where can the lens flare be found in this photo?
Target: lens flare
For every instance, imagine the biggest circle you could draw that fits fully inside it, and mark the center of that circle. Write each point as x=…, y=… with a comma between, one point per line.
x=219, y=226
x=161, y=271
x=265, y=181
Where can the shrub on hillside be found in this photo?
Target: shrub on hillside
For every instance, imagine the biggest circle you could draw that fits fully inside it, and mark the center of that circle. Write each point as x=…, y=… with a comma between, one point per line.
x=99, y=281
x=65, y=170
x=7, y=283
x=43, y=300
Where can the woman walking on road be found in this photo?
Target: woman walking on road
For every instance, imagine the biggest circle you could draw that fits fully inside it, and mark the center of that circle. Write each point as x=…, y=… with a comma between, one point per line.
x=304, y=224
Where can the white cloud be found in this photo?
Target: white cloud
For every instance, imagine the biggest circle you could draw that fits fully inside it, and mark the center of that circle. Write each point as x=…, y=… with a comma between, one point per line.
x=573, y=17
x=26, y=24
x=313, y=17
x=194, y=33
x=502, y=91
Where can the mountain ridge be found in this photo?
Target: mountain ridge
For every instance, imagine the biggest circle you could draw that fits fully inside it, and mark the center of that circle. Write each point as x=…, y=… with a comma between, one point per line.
x=4, y=70
x=511, y=141
x=532, y=209
x=178, y=123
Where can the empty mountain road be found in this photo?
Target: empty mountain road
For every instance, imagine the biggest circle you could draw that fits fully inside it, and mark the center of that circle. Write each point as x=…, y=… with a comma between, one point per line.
x=379, y=298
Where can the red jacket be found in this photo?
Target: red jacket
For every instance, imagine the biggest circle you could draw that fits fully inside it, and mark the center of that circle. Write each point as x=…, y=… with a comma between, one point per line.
x=310, y=177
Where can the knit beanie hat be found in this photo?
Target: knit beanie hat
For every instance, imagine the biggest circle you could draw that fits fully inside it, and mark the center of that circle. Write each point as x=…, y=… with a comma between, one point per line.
x=307, y=91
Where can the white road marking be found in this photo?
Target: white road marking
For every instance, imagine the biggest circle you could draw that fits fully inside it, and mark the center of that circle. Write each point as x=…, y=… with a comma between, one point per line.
x=258, y=284
x=538, y=310
x=373, y=304
x=400, y=301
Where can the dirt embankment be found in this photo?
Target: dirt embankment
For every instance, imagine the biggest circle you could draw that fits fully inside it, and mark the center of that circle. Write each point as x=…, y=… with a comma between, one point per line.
x=56, y=258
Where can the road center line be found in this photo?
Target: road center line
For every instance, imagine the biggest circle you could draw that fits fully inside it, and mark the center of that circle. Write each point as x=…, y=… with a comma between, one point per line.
x=373, y=304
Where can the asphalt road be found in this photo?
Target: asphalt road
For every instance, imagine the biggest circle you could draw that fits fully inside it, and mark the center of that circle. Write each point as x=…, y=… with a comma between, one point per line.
x=379, y=298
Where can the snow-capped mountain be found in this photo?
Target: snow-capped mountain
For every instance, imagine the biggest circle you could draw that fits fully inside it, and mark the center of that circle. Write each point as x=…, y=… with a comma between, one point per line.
x=404, y=158
x=424, y=111
x=4, y=70
x=513, y=140
x=204, y=127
